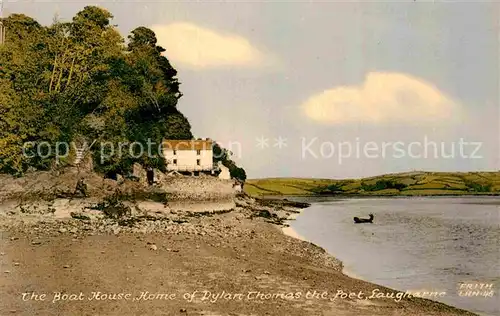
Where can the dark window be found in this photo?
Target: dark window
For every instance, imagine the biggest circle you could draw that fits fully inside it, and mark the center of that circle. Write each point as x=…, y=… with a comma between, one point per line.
x=198, y=152
x=151, y=176
x=198, y=162
x=175, y=161
x=175, y=152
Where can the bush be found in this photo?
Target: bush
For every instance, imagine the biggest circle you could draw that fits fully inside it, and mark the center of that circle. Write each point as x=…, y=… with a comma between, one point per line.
x=335, y=188
x=382, y=185
x=478, y=187
x=238, y=173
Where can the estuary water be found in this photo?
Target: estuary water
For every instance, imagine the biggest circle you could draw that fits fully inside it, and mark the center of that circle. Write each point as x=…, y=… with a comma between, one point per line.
x=447, y=245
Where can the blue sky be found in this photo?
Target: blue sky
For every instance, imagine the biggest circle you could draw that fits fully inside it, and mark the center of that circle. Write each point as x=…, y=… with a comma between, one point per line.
x=327, y=73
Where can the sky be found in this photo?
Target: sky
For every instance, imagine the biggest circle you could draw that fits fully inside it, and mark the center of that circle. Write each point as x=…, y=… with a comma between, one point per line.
x=328, y=89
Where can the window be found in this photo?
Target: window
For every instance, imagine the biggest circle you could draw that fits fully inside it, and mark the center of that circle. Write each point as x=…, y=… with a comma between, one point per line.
x=198, y=152
x=175, y=161
x=198, y=162
x=175, y=152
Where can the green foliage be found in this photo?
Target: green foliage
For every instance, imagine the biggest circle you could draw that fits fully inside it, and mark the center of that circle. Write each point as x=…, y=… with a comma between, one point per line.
x=220, y=154
x=336, y=187
x=383, y=185
x=224, y=156
x=79, y=79
x=477, y=187
x=238, y=173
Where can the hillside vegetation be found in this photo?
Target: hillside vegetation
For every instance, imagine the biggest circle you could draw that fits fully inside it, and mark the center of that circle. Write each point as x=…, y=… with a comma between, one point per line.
x=411, y=183
x=81, y=82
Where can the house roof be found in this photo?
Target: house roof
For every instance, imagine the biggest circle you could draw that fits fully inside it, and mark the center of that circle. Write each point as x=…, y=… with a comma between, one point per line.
x=187, y=144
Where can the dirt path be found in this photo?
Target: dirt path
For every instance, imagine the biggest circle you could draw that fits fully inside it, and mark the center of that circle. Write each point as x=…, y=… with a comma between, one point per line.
x=251, y=264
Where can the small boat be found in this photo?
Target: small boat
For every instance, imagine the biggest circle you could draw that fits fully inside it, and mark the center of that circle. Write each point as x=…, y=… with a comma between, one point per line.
x=358, y=220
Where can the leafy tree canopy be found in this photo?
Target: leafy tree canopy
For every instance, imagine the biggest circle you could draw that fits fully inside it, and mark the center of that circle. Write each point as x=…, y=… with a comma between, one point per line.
x=79, y=81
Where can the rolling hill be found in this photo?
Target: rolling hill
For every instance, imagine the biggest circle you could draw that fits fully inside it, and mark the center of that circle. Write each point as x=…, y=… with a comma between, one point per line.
x=416, y=183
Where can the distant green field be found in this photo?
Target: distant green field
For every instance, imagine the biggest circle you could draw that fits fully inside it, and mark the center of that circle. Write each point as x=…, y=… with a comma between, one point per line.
x=409, y=183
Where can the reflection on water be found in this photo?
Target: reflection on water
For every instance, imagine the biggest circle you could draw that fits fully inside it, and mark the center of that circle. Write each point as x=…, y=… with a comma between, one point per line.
x=433, y=244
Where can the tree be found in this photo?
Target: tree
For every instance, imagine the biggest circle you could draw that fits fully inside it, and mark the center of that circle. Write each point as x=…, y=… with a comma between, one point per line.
x=238, y=173
x=78, y=81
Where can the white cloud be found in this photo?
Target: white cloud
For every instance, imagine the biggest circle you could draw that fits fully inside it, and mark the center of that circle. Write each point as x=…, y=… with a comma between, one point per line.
x=383, y=97
x=198, y=47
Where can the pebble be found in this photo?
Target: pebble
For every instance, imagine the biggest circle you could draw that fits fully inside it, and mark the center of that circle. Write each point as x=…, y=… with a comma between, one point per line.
x=62, y=230
x=36, y=242
x=65, y=266
x=6, y=271
x=153, y=247
x=16, y=264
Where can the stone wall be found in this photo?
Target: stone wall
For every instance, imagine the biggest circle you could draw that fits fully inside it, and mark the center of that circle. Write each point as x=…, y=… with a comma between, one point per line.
x=202, y=188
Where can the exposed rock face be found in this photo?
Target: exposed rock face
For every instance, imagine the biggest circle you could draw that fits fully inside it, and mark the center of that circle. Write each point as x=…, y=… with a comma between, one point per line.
x=87, y=163
x=53, y=184
x=160, y=176
x=49, y=185
x=140, y=173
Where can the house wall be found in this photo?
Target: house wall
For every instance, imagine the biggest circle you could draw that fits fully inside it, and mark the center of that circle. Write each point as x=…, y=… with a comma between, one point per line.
x=186, y=160
x=224, y=172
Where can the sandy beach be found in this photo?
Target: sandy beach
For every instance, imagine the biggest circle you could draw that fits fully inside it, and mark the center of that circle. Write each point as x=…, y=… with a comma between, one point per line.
x=237, y=262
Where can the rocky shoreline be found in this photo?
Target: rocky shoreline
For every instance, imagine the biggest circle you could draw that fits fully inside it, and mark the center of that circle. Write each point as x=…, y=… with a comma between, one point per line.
x=158, y=248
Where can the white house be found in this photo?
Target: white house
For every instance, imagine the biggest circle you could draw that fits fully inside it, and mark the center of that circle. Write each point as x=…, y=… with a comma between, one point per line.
x=224, y=172
x=188, y=155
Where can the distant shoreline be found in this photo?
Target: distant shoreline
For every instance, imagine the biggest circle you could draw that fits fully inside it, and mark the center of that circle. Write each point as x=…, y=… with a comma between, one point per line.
x=355, y=196
x=383, y=195
x=414, y=184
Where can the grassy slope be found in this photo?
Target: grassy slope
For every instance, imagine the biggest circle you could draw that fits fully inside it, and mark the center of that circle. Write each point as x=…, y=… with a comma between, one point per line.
x=415, y=183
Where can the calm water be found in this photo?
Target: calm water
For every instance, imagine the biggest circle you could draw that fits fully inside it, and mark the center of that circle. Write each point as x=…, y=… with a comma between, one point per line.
x=414, y=244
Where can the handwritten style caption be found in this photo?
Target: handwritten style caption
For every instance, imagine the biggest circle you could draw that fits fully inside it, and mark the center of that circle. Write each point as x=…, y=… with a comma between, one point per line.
x=221, y=296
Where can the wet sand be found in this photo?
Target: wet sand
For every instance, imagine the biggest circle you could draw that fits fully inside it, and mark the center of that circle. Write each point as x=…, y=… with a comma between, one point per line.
x=230, y=263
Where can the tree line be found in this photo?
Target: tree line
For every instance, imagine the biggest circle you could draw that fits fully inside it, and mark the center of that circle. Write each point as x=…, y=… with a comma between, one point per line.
x=82, y=81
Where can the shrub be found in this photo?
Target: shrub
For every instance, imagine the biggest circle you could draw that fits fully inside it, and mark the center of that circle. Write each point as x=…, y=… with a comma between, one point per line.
x=382, y=185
